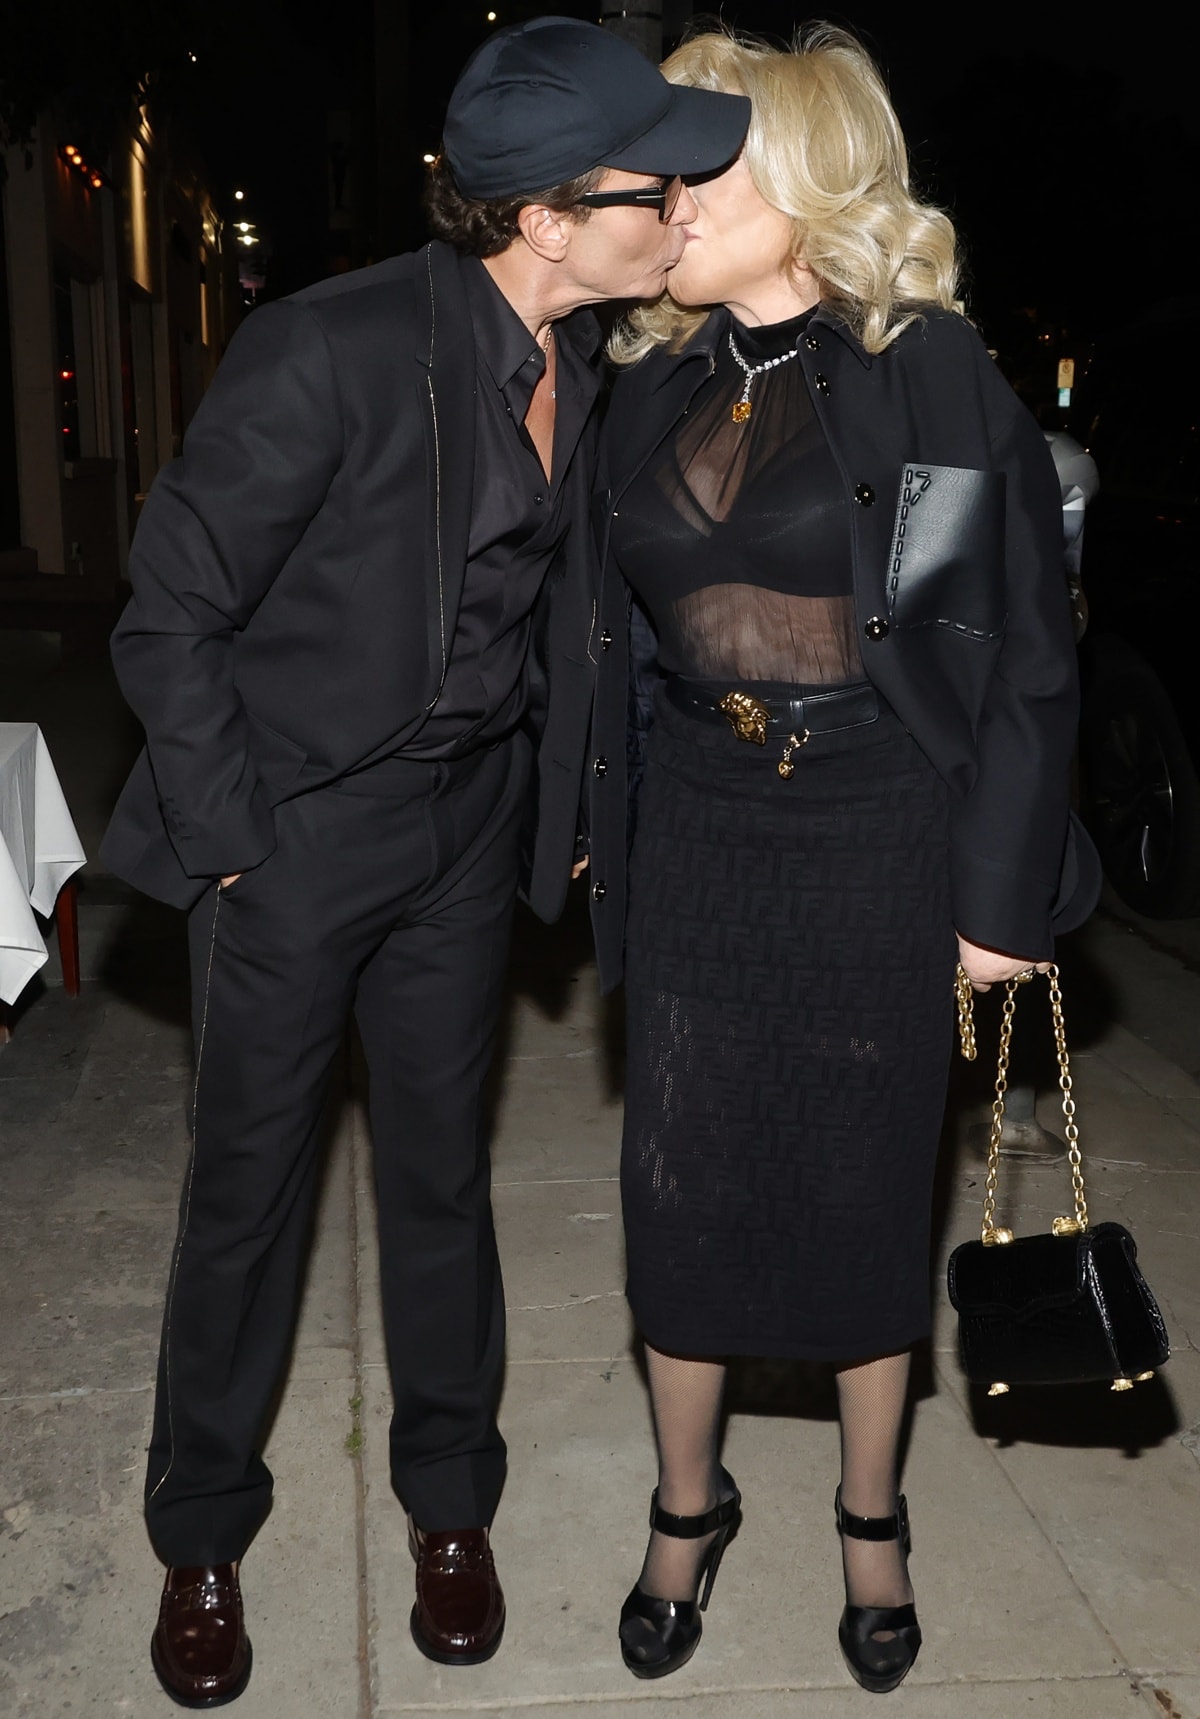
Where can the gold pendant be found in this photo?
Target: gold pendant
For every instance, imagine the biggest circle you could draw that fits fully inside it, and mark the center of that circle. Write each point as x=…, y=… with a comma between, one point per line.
x=785, y=766
x=741, y=411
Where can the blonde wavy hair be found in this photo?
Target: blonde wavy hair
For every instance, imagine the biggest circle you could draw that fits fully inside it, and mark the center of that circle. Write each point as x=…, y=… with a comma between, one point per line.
x=826, y=149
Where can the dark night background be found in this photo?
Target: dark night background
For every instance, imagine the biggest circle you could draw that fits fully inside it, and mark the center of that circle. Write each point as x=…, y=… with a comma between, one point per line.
x=1066, y=157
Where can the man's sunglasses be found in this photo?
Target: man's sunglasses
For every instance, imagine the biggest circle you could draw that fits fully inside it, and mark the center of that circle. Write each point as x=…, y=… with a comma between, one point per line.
x=661, y=197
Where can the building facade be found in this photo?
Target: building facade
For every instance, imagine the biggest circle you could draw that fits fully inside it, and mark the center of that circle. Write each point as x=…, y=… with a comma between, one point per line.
x=118, y=293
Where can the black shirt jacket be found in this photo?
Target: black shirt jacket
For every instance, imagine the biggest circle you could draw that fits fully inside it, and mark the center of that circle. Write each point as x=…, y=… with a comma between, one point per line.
x=966, y=633
x=519, y=517
x=297, y=576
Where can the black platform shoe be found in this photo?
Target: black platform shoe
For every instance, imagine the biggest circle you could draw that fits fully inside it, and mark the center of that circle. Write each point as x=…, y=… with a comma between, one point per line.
x=878, y=1665
x=658, y=1636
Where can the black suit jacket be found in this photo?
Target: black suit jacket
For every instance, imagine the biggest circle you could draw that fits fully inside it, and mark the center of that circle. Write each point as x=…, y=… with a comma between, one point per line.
x=960, y=595
x=296, y=579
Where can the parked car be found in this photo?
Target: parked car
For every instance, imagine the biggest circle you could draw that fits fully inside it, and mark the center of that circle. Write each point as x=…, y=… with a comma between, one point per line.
x=1140, y=657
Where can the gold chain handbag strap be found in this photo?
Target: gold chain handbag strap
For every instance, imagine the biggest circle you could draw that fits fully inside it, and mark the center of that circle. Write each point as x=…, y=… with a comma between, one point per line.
x=965, y=996
x=992, y=1234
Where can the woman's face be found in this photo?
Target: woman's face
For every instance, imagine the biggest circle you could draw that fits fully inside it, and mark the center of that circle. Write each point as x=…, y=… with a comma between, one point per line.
x=738, y=252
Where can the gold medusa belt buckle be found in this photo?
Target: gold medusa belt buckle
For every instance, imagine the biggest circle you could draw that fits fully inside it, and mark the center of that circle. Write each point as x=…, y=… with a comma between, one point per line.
x=748, y=716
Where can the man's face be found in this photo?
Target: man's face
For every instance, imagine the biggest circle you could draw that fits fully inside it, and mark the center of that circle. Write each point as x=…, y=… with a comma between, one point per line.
x=626, y=252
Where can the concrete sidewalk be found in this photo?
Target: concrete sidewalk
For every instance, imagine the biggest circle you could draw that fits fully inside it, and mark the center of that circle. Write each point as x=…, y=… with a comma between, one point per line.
x=1055, y=1536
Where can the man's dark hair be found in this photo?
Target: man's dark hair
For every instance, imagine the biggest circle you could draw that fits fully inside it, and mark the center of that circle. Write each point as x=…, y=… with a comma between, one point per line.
x=483, y=227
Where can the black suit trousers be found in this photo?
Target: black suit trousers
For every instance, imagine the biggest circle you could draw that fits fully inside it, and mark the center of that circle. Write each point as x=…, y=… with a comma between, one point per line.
x=391, y=894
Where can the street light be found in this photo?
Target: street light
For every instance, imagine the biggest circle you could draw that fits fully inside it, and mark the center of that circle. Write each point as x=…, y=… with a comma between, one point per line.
x=238, y=195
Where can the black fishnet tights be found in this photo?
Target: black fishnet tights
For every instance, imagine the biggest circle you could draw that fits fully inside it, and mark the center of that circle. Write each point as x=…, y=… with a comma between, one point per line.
x=686, y=1395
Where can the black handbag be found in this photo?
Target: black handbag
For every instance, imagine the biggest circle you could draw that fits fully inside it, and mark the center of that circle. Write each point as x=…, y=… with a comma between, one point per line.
x=1066, y=1308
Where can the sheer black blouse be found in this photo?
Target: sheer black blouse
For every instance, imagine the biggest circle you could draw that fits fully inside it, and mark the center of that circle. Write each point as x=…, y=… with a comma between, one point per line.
x=736, y=536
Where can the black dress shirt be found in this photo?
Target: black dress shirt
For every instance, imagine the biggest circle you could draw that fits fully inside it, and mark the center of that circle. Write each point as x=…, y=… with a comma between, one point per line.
x=518, y=517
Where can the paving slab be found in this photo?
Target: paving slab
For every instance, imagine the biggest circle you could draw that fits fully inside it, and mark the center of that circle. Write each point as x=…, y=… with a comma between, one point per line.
x=79, y=1584
x=562, y=1251
x=1141, y=975
x=117, y=1150
x=537, y=1026
x=368, y=1313
x=571, y=1532
x=1124, y=1518
x=93, y=1101
x=567, y=1541
x=89, y=1204
x=80, y=1299
x=1173, y=1697
x=326, y=1339
x=1053, y=1553
x=301, y=1577
x=82, y=1292
x=1093, y=1698
x=558, y=1108
x=556, y=1118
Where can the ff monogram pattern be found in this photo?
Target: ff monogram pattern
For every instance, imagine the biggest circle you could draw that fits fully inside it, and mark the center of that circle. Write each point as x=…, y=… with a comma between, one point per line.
x=790, y=954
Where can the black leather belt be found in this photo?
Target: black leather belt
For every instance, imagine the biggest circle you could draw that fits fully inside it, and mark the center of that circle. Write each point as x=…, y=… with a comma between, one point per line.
x=753, y=718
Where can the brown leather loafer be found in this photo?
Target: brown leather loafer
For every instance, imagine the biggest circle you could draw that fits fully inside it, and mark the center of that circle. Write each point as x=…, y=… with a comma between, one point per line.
x=200, y=1649
x=459, y=1615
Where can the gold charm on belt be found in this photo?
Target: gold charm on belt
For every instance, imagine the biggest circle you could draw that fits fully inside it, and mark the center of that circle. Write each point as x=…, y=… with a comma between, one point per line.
x=785, y=766
x=748, y=716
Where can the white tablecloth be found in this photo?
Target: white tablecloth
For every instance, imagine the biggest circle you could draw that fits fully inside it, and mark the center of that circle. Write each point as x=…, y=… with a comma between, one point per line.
x=39, y=851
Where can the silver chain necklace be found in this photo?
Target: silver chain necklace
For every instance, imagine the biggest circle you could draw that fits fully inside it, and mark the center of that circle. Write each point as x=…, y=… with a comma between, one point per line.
x=742, y=408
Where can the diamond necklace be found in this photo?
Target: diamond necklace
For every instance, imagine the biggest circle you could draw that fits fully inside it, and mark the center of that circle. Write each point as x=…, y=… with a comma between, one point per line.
x=742, y=408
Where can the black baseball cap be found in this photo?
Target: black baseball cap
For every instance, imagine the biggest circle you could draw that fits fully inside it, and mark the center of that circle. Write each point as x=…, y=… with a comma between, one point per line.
x=547, y=100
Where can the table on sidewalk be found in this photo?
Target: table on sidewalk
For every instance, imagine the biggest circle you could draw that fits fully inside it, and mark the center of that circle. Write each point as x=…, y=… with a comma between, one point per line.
x=39, y=854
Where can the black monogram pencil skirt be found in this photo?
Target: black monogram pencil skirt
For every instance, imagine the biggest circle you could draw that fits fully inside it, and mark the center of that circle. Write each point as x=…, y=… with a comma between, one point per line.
x=790, y=963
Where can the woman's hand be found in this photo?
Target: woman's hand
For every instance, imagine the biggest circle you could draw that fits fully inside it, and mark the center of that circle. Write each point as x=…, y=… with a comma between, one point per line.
x=988, y=967
x=578, y=869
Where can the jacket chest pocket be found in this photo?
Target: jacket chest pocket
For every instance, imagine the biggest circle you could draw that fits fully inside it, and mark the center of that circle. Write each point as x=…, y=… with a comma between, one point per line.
x=946, y=561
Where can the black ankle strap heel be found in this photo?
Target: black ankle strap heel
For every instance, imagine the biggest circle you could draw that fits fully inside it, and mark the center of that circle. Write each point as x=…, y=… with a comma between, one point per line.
x=658, y=1636
x=878, y=1665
